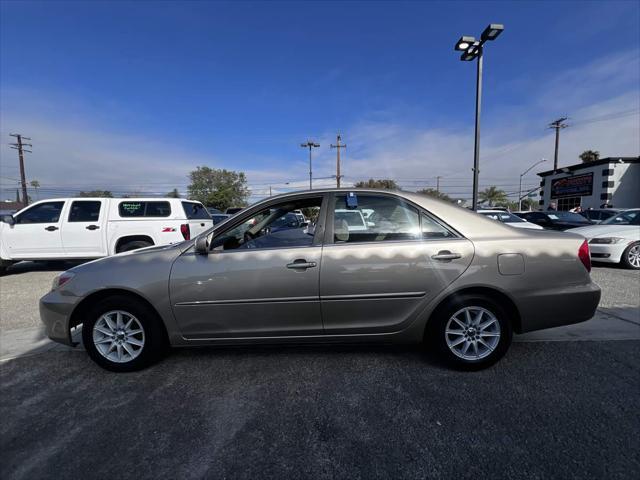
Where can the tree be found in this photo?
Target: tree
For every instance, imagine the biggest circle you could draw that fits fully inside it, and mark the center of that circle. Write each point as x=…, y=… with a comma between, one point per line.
x=96, y=193
x=173, y=194
x=493, y=196
x=432, y=192
x=35, y=184
x=529, y=204
x=385, y=184
x=218, y=188
x=589, y=156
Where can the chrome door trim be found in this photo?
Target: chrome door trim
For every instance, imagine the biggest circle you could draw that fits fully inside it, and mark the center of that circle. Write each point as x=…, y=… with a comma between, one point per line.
x=373, y=296
x=248, y=300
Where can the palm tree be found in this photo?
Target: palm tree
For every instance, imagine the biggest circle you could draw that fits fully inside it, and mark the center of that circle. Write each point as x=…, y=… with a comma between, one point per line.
x=589, y=156
x=492, y=196
x=35, y=184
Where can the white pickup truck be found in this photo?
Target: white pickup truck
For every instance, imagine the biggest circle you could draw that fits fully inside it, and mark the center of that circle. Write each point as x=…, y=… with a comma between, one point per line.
x=79, y=228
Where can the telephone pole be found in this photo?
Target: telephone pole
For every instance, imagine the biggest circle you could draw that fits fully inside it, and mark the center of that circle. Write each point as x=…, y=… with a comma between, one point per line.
x=19, y=145
x=338, y=146
x=438, y=183
x=557, y=125
x=310, y=145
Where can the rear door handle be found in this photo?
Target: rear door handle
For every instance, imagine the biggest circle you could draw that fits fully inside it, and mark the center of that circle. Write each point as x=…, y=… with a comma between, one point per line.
x=51, y=229
x=445, y=256
x=301, y=264
x=92, y=227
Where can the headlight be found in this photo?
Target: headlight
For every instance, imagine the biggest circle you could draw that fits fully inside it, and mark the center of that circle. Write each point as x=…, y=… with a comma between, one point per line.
x=606, y=240
x=61, y=279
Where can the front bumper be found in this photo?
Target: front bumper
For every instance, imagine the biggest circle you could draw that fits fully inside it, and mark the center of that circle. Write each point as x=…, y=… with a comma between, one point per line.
x=610, y=253
x=556, y=307
x=55, y=313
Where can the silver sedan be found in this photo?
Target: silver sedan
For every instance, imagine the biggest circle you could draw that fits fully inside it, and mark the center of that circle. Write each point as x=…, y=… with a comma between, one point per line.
x=416, y=269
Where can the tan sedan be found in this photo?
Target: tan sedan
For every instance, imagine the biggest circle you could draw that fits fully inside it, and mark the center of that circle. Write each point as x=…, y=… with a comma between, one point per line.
x=369, y=266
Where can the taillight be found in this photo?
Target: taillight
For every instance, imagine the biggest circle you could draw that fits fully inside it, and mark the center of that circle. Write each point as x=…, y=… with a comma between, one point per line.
x=585, y=257
x=185, y=231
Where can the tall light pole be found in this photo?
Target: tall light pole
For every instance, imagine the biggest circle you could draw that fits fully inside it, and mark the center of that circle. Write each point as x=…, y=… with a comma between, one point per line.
x=310, y=145
x=522, y=175
x=471, y=50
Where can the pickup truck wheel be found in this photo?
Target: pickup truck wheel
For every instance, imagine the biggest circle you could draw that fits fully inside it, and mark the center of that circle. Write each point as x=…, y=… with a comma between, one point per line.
x=471, y=333
x=133, y=245
x=122, y=334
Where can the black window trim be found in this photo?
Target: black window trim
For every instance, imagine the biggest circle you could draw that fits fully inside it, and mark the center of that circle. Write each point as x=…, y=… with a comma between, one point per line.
x=329, y=239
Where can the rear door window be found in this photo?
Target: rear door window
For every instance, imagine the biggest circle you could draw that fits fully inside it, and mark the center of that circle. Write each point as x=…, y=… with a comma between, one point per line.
x=195, y=211
x=144, y=209
x=85, y=211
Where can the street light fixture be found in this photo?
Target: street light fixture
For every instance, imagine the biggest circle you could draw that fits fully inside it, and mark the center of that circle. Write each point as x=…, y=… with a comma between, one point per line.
x=310, y=145
x=522, y=175
x=471, y=50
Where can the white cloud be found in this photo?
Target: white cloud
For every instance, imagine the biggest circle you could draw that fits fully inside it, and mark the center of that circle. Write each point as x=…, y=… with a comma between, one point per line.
x=72, y=153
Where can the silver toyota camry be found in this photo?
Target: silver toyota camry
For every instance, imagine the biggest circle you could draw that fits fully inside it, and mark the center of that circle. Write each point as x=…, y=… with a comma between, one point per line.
x=347, y=266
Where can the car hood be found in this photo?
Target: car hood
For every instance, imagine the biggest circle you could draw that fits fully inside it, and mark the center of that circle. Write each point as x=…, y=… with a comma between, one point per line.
x=607, y=230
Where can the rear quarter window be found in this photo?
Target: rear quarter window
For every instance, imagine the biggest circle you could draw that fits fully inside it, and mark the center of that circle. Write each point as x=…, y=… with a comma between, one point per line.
x=144, y=209
x=195, y=211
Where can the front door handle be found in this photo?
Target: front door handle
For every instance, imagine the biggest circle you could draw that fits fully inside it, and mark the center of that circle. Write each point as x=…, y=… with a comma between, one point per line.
x=301, y=264
x=445, y=256
x=92, y=227
x=51, y=229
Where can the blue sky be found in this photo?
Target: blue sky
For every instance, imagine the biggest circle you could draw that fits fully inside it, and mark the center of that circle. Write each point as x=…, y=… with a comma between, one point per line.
x=132, y=95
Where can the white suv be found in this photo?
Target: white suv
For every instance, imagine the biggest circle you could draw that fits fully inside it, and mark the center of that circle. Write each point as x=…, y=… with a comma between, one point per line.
x=81, y=228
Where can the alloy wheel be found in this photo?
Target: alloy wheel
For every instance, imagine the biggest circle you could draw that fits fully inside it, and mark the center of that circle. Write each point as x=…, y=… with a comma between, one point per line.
x=634, y=256
x=118, y=336
x=472, y=333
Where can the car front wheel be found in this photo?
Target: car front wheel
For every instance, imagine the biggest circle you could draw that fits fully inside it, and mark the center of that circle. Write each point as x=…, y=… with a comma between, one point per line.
x=122, y=334
x=471, y=332
x=631, y=256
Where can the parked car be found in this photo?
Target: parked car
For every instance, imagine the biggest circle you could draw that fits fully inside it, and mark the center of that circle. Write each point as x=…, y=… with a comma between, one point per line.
x=233, y=210
x=598, y=215
x=616, y=240
x=214, y=211
x=555, y=220
x=509, y=218
x=79, y=228
x=427, y=270
x=219, y=217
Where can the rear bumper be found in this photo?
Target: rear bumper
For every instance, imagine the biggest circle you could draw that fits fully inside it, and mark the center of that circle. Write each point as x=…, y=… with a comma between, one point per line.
x=55, y=313
x=558, y=306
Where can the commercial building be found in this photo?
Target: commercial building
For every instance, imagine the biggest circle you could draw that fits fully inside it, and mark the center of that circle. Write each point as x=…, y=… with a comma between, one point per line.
x=614, y=181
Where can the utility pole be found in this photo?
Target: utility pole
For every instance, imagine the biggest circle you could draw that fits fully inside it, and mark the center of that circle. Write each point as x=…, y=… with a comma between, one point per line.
x=269, y=190
x=557, y=125
x=310, y=145
x=438, y=183
x=19, y=145
x=338, y=146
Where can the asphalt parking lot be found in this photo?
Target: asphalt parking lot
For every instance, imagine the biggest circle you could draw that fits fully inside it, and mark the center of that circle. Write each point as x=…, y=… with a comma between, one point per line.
x=554, y=407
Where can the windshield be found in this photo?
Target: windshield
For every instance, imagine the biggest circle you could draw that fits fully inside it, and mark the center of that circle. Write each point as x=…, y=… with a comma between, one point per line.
x=567, y=217
x=630, y=217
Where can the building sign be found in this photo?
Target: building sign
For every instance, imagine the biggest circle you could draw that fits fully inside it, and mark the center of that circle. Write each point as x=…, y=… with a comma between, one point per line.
x=575, y=186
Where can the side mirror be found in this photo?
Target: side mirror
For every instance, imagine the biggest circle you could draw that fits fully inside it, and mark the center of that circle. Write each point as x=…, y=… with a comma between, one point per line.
x=201, y=246
x=8, y=219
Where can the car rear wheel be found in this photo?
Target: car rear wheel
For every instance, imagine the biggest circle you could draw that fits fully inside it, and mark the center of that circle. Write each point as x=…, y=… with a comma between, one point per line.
x=471, y=332
x=122, y=334
x=631, y=256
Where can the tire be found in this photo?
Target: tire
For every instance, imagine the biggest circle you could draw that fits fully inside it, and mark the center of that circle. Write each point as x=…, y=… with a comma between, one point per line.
x=491, y=347
x=631, y=256
x=133, y=245
x=103, y=334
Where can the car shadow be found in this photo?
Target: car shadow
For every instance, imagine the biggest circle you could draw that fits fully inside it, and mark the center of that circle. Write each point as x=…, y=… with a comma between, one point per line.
x=42, y=266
